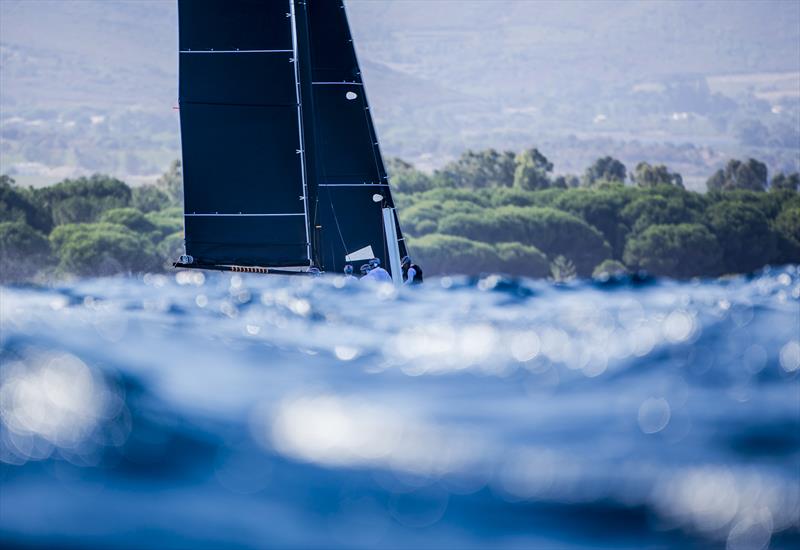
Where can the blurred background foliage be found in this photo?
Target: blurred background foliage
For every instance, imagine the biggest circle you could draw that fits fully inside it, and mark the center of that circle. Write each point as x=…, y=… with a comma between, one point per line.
x=488, y=211
x=686, y=84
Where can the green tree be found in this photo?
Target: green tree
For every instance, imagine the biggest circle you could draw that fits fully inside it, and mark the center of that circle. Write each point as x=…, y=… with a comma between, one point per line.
x=681, y=250
x=609, y=268
x=785, y=182
x=769, y=203
x=562, y=270
x=520, y=197
x=448, y=254
x=20, y=205
x=413, y=217
x=83, y=199
x=532, y=170
x=98, y=249
x=744, y=234
x=130, y=218
x=649, y=210
x=23, y=251
x=600, y=208
x=442, y=194
x=552, y=231
x=605, y=169
x=423, y=216
x=171, y=182
x=522, y=260
x=478, y=170
x=513, y=197
x=787, y=227
x=405, y=178
x=170, y=248
x=751, y=175
x=646, y=175
x=165, y=222
x=567, y=181
x=149, y=198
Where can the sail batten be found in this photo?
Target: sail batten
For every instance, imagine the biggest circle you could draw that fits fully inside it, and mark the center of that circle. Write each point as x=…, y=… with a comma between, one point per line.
x=241, y=214
x=353, y=184
x=236, y=51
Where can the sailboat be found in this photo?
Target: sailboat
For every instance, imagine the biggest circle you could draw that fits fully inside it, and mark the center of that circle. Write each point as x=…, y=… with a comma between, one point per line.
x=282, y=169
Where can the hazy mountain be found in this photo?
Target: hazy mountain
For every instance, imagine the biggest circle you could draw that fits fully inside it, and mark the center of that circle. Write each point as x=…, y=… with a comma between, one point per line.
x=88, y=85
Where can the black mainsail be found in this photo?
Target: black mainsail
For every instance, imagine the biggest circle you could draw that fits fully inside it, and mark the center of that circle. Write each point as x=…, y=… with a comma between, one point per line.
x=281, y=162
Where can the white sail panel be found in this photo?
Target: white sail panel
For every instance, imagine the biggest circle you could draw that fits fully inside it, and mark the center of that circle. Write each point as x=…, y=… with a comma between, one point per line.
x=361, y=254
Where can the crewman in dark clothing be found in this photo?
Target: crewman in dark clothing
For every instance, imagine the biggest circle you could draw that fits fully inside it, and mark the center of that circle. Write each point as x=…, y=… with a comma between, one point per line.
x=412, y=273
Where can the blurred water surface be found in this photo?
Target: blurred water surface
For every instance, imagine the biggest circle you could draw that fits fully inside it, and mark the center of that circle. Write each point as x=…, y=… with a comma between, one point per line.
x=208, y=410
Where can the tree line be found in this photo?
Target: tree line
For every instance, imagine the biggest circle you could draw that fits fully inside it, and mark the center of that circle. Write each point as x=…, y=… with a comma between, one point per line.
x=89, y=226
x=488, y=211
x=501, y=211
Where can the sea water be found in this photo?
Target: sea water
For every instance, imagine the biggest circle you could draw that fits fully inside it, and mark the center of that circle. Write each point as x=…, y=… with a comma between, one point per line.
x=222, y=410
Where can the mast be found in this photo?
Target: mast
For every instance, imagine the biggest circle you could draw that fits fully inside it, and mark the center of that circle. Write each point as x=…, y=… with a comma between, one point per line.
x=295, y=63
x=306, y=101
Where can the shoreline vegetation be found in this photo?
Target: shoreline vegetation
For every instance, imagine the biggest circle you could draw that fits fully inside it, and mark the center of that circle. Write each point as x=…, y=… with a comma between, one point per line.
x=488, y=211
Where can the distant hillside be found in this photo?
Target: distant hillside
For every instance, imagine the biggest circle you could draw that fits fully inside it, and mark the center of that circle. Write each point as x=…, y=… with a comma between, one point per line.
x=89, y=85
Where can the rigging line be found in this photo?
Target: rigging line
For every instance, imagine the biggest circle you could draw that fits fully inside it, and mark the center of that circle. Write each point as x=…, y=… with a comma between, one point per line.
x=333, y=255
x=336, y=219
x=373, y=138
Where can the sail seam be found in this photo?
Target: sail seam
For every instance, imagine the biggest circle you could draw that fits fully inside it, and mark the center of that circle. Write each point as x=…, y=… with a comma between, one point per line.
x=353, y=185
x=240, y=214
x=263, y=244
x=236, y=51
x=228, y=104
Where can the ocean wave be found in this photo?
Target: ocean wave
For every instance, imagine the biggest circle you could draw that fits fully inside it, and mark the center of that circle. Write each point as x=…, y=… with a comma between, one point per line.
x=237, y=410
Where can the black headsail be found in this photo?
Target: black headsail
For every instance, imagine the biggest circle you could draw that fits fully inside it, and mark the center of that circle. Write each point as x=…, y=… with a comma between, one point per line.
x=280, y=158
x=348, y=169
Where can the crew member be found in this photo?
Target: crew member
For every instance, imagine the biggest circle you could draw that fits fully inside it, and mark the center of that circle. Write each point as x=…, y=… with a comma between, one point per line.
x=376, y=272
x=412, y=273
x=348, y=272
